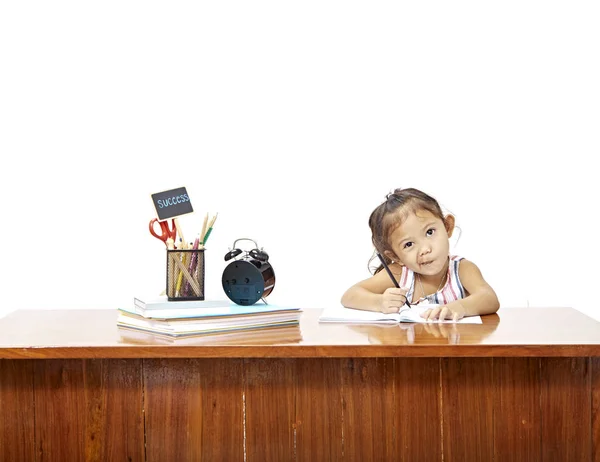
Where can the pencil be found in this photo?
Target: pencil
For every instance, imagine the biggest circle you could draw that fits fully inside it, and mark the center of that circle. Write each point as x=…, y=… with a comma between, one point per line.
x=210, y=228
x=179, y=230
x=182, y=246
x=203, y=232
x=192, y=263
x=387, y=268
x=212, y=222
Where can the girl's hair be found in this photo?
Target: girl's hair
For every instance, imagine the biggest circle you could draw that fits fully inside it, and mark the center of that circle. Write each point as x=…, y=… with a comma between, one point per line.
x=390, y=214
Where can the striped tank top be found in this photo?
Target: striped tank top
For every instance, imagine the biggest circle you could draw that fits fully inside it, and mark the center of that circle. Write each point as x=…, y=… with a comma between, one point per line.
x=452, y=290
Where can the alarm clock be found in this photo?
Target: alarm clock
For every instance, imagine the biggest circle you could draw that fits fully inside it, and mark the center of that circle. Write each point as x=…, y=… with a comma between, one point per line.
x=249, y=277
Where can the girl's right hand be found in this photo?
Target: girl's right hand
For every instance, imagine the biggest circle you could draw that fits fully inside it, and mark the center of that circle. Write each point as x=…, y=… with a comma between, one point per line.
x=393, y=299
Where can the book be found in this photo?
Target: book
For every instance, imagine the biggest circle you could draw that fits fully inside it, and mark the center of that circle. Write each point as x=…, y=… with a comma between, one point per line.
x=203, y=309
x=163, y=303
x=406, y=314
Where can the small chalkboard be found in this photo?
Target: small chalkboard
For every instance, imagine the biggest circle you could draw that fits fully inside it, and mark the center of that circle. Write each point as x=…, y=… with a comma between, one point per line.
x=172, y=203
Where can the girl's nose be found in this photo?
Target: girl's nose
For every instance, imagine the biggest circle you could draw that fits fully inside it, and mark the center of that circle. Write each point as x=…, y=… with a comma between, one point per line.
x=425, y=250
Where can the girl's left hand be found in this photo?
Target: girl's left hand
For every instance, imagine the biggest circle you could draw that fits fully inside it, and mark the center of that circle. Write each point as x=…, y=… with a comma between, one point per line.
x=453, y=311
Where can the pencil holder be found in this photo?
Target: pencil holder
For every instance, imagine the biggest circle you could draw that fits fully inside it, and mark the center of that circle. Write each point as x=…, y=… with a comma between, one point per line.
x=185, y=275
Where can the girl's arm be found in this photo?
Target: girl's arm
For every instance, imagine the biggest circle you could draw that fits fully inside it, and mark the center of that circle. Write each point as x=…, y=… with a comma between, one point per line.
x=377, y=293
x=481, y=298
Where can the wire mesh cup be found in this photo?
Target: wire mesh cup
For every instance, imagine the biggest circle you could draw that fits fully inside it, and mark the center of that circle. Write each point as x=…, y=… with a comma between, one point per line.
x=185, y=274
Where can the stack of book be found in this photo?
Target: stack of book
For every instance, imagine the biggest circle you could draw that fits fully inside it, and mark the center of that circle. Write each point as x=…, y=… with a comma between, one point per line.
x=180, y=319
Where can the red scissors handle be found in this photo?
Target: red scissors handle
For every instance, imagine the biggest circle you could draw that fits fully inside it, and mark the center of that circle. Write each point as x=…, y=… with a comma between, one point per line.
x=166, y=232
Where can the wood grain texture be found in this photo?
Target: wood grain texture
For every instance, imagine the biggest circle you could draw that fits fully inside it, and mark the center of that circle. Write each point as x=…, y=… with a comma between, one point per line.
x=222, y=410
x=368, y=399
x=88, y=410
x=301, y=409
x=595, y=362
x=193, y=409
x=319, y=409
x=173, y=409
x=517, y=413
x=270, y=421
x=115, y=421
x=417, y=421
x=16, y=411
x=566, y=409
x=467, y=406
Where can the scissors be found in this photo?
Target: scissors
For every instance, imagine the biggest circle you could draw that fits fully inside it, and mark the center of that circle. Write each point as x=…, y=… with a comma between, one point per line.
x=166, y=232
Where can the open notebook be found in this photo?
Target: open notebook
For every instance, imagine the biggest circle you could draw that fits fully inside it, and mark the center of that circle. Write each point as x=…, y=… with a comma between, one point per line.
x=406, y=314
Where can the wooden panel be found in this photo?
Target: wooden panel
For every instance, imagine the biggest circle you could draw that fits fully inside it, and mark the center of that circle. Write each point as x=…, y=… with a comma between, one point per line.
x=566, y=409
x=222, y=409
x=193, y=409
x=88, y=410
x=517, y=415
x=467, y=403
x=16, y=410
x=417, y=423
x=59, y=410
x=115, y=421
x=269, y=409
x=368, y=394
x=319, y=413
x=173, y=409
x=596, y=409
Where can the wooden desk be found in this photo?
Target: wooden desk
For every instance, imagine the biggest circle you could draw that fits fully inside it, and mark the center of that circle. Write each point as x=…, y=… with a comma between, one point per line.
x=523, y=386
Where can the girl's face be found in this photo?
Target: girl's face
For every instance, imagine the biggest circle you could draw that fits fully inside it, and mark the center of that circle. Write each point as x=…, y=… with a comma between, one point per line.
x=421, y=242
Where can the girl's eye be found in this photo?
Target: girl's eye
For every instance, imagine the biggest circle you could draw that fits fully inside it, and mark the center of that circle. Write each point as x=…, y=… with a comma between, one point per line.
x=408, y=245
x=430, y=231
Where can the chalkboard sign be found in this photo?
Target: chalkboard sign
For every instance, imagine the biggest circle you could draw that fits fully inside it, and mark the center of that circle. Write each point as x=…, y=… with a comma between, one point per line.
x=172, y=203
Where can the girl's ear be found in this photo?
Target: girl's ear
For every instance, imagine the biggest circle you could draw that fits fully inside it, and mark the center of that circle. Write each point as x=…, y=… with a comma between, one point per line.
x=449, y=224
x=389, y=254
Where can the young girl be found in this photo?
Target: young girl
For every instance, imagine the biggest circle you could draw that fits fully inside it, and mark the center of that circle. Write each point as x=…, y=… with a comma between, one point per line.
x=412, y=235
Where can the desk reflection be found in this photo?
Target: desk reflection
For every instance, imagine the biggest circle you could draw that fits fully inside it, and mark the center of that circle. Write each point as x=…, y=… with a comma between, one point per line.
x=264, y=336
x=430, y=333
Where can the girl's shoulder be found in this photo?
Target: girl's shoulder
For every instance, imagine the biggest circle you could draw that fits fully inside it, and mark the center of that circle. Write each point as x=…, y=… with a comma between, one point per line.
x=467, y=269
x=461, y=262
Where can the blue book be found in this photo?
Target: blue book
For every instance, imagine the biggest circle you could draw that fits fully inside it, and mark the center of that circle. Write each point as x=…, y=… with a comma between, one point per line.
x=163, y=309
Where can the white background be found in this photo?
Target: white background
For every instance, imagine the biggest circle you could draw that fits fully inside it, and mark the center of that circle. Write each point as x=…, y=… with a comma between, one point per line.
x=293, y=120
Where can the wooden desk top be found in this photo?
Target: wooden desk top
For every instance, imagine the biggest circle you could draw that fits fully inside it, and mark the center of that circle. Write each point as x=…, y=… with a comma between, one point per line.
x=520, y=332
